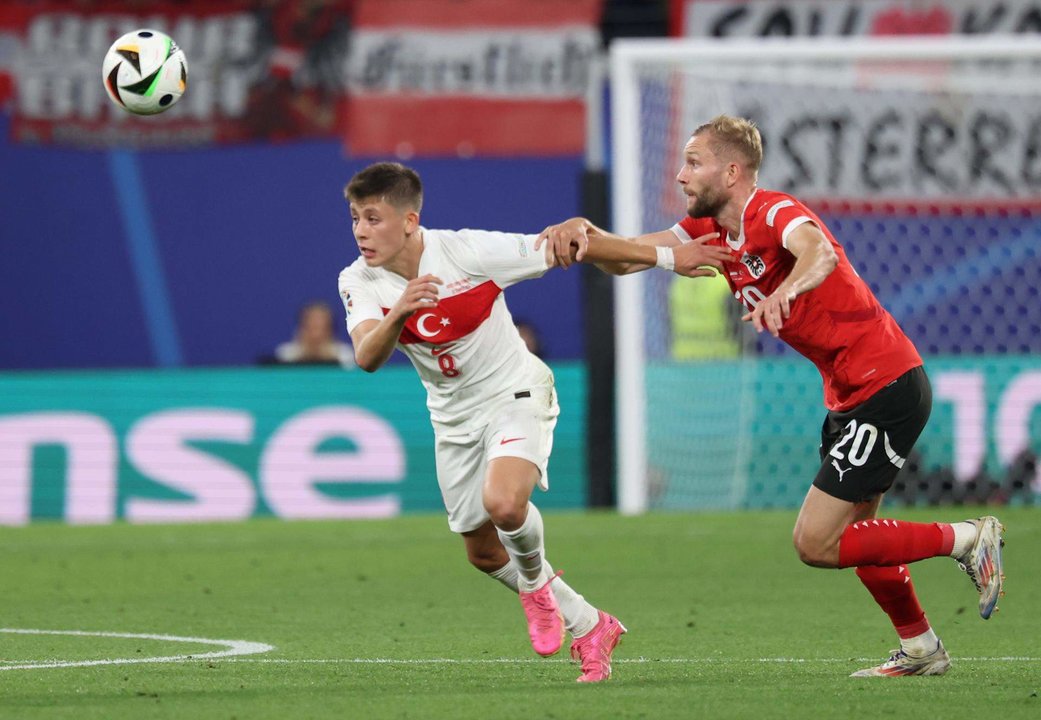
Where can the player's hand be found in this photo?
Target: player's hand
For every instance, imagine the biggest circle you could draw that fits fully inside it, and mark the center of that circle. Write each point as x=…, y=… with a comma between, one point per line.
x=420, y=292
x=559, y=240
x=692, y=257
x=771, y=312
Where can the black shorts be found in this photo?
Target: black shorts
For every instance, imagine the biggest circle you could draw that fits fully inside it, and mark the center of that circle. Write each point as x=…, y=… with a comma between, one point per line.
x=862, y=449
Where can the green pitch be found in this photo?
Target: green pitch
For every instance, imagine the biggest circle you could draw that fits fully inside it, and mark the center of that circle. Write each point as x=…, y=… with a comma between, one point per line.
x=387, y=620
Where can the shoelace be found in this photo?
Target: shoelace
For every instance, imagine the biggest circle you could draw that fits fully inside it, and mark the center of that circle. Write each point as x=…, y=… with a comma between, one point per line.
x=543, y=601
x=971, y=572
x=592, y=660
x=590, y=640
x=896, y=656
x=545, y=618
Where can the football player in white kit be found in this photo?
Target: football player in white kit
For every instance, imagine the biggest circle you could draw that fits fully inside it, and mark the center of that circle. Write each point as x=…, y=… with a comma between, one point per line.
x=437, y=295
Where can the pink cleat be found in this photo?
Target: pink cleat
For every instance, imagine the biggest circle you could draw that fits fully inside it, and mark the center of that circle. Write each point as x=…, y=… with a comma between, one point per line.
x=545, y=623
x=595, y=648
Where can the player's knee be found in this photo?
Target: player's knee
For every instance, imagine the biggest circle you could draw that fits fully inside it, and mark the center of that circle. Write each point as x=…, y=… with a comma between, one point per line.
x=506, y=514
x=814, y=553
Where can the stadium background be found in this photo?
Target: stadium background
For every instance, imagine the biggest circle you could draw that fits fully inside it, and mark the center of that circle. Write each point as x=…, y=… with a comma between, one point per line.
x=149, y=263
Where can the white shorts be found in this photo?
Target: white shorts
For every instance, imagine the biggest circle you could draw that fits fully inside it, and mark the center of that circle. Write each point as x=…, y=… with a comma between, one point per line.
x=513, y=427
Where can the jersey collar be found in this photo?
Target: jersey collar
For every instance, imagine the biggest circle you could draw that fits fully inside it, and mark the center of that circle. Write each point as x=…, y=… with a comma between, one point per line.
x=431, y=257
x=739, y=243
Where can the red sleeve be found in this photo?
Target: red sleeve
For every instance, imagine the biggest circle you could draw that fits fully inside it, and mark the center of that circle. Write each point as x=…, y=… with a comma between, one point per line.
x=693, y=227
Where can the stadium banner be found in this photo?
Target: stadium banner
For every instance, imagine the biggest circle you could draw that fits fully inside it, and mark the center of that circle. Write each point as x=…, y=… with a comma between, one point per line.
x=789, y=18
x=888, y=146
x=227, y=445
x=761, y=449
x=922, y=136
x=484, y=77
x=256, y=70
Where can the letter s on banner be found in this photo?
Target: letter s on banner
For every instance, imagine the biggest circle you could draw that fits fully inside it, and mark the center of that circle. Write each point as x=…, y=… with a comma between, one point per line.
x=157, y=447
x=290, y=466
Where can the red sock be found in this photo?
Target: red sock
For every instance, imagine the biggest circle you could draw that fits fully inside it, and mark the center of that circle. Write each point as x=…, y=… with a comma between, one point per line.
x=888, y=542
x=894, y=592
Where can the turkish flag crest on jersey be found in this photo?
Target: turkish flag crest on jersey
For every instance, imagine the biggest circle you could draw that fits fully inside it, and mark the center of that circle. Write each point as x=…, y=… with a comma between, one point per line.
x=452, y=318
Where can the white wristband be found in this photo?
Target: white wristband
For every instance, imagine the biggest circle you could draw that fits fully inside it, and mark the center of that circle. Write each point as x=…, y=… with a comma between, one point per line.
x=666, y=258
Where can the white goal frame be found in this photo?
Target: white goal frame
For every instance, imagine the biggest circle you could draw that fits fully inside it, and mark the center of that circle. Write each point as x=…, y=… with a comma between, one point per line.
x=626, y=171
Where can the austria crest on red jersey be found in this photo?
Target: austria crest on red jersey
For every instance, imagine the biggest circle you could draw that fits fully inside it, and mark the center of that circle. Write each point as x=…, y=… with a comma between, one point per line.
x=754, y=263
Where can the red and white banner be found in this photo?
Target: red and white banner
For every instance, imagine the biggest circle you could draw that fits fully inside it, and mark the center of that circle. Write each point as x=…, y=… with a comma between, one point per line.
x=490, y=77
x=256, y=70
x=766, y=18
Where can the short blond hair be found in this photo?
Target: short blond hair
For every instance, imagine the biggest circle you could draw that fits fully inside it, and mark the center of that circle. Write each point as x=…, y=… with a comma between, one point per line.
x=735, y=136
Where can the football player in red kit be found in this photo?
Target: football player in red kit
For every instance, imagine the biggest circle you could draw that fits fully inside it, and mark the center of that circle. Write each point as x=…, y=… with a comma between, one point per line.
x=796, y=283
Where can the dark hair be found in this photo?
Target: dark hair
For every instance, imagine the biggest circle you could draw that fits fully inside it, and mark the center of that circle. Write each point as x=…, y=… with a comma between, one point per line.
x=393, y=183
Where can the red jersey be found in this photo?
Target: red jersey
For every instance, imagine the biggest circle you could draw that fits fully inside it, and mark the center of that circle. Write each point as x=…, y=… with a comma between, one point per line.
x=856, y=345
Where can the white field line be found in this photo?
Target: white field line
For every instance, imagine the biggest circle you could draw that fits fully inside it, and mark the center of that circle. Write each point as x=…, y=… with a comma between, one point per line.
x=616, y=661
x=234, y=650
x=231, y=648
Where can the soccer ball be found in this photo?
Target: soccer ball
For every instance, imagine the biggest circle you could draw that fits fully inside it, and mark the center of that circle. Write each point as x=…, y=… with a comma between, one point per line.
x=145, y=72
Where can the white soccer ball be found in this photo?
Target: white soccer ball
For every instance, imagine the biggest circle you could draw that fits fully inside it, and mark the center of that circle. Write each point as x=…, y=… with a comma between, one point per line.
x=145, y=72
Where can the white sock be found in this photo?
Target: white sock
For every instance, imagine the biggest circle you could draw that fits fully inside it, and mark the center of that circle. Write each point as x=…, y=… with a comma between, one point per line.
x=524, y=546
x=920, y=645
x=964, y=537
x=507, y=575
x=579, y=616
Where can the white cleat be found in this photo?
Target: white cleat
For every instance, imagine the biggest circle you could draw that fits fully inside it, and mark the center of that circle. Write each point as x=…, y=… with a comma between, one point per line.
x=982, y=563
x=900, y=663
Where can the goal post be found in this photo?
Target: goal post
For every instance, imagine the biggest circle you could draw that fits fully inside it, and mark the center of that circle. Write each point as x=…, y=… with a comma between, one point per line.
x=907, y=148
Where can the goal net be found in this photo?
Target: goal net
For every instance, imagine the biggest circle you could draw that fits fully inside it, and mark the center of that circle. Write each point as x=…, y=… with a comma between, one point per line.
x=923, y=156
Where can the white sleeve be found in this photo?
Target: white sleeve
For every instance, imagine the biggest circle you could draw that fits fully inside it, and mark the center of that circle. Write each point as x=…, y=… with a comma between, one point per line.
x=358, y=300
x=508, y=258
x=792, y=224
x=681, y=234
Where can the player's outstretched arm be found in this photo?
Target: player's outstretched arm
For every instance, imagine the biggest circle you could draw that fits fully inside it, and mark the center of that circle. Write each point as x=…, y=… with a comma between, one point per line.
x=374, y=340
x=568, y=241
x=620, y=257
x=691, y=258
x=815, y=259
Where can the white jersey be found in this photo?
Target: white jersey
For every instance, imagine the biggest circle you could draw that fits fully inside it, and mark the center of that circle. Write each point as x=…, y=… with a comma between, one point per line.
x=466, y=349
